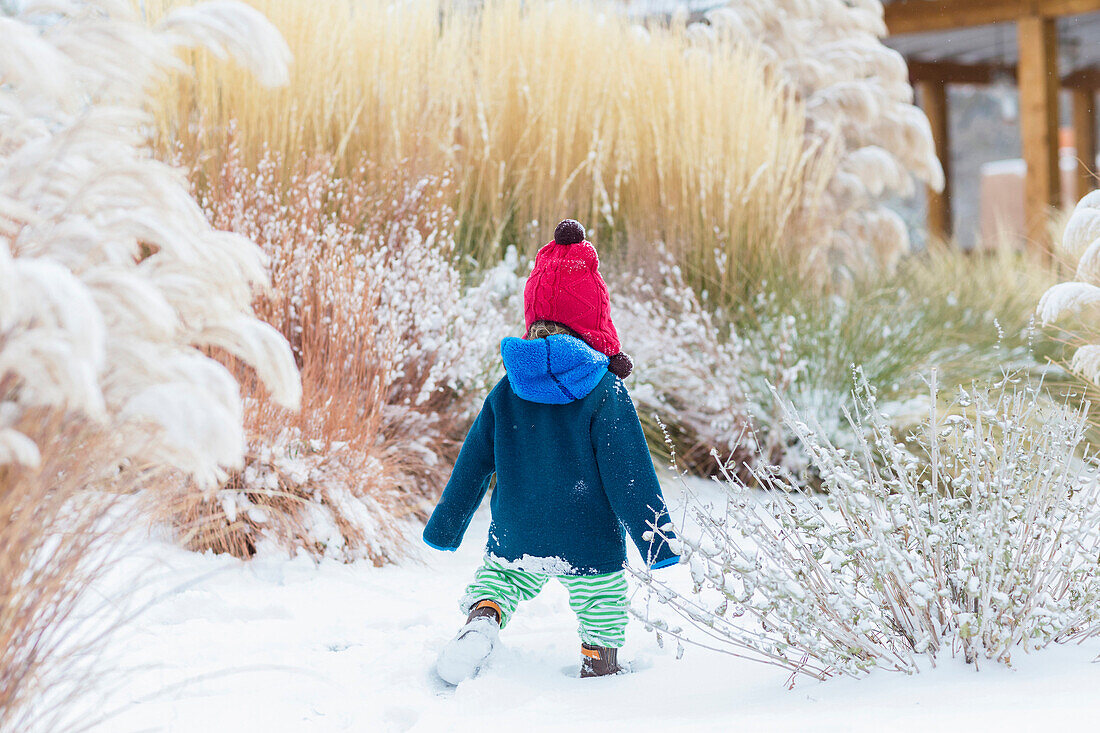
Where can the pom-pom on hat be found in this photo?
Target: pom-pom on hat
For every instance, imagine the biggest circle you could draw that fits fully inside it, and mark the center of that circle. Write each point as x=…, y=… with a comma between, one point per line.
x=566, y=287
x=569, y=231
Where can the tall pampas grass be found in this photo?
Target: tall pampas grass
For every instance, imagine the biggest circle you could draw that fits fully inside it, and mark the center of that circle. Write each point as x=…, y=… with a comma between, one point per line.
x=113, y=286
x=857, y=96
x=542, y=110
x=1080, y=240
x=112, y=279
x=1073, y=304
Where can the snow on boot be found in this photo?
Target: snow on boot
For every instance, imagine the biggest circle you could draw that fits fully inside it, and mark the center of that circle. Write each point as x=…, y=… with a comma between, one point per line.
x=598, y=661
x=466, y=653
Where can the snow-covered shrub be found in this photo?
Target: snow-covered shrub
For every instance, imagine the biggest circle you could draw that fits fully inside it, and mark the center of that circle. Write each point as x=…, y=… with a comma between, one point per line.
x=857, y=97
x=689, y=369
x=112, y=286
x=979, y=536
x=393, y=356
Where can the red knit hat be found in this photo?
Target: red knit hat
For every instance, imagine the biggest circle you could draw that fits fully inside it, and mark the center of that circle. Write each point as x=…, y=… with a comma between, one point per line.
x=566, y=287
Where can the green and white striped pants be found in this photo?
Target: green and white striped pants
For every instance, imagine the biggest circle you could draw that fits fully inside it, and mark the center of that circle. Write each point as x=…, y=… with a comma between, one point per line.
x=599, y=601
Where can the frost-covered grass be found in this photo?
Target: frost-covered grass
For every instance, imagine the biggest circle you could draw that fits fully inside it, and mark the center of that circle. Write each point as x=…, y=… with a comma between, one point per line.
x=976, y=537
x=58, y=528
x=968, y=316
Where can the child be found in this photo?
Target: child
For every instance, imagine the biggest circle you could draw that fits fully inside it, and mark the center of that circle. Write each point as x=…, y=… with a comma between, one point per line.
x=572, y=470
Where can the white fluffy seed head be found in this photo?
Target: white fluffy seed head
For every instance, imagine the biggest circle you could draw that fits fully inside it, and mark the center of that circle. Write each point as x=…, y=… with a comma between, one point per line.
x=1083, y=228
x=111, y=279
x=234, y=29
x=858, y=99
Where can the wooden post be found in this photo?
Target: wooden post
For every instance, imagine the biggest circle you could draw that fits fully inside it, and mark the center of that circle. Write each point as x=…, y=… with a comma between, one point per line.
x=1039, y=83
x=1084, y=137
x=933, y=100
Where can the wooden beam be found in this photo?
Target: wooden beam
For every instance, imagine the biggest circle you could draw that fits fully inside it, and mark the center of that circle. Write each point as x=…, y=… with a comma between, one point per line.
x=919, y=16
x=955, y=73
x=1082, y=79
x=933, y=100
x=1039, y=83
x=1084, y=139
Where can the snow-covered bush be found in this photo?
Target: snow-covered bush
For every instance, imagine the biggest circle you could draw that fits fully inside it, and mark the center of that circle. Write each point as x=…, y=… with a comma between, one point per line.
x=393, y=357
x=979, y=536
x=857, y=97
x=689, y=369
x=112, y=287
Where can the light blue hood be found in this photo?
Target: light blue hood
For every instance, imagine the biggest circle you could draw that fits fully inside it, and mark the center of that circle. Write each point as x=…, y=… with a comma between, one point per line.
x=555, y=370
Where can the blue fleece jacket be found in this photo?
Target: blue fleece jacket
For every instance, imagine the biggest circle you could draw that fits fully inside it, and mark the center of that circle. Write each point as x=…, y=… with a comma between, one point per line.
x=572, y=466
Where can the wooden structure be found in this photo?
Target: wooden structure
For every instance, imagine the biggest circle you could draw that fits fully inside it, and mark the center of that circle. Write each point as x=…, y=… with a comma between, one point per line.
x=1044, y=46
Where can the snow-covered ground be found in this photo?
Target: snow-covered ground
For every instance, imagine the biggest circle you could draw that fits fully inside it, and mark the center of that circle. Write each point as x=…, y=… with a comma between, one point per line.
x=287, y=645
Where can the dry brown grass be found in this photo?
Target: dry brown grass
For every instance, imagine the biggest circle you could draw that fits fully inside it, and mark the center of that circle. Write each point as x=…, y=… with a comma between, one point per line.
x=314, y=480
x=57, y=523
x=542, y=109
x=371, y=443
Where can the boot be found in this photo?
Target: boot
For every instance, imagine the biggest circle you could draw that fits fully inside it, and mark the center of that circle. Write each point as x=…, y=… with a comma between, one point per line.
x=598, y=661
x=464, y=655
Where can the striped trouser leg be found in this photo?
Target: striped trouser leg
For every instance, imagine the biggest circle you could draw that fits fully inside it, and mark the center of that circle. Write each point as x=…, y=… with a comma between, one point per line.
x=504, y=586
x=600, y=603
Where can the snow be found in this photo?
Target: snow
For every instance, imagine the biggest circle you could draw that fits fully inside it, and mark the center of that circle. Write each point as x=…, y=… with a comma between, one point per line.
x=288, y=645
x=1018, y=167
x=1011, y=167
x=538, y=565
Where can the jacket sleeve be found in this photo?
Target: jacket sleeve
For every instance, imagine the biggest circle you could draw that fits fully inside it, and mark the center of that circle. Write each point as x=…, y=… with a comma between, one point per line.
x=467, y=486
x=626, y=470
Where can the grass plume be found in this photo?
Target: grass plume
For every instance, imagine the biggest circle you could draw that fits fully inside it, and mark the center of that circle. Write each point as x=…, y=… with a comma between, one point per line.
x=702, y=149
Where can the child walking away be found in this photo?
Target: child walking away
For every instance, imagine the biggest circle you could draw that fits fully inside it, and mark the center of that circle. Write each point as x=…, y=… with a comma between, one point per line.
x=572, y=469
